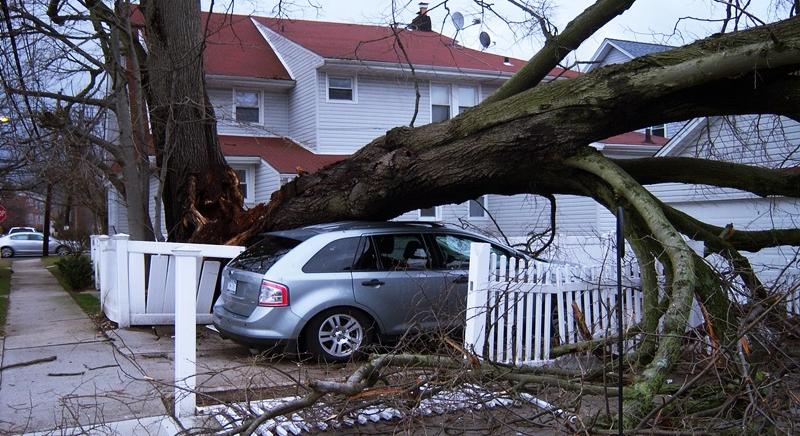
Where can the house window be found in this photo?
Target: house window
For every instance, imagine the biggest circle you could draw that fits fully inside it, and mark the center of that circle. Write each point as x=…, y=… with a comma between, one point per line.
x=440, y=103
x=477, y=207
x=467, y=97
x=286, y=178
x=247, y=106
x=341, y=88
x=246, y=181
x=659, y=130
x=430, y=214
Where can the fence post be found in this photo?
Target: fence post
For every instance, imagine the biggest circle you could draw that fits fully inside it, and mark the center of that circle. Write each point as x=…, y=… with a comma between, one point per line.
x=94, y=257
x=185, y=331
x=101, y=264
x=106, y=260
x=123, y=293
x=477, y=294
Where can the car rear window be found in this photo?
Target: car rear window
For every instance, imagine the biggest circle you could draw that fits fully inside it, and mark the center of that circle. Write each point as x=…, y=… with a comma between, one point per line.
x=261, y=256
x=337, y=256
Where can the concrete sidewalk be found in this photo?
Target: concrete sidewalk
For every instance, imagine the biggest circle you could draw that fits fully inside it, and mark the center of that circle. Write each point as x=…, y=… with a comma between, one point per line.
x=80, y=380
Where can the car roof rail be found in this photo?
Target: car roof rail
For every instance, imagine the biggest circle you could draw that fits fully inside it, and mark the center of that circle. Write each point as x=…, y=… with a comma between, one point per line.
x=434, y=224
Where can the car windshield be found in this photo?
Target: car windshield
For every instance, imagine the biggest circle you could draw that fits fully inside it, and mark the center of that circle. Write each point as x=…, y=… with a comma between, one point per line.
x=261, y=256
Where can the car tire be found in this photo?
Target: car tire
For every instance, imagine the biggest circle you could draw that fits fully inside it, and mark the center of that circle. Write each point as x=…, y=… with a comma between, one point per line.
x=62, y=250
x=338, y=335
x=6, y=252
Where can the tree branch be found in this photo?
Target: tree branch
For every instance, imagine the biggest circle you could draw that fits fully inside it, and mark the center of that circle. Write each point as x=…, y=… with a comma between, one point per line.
x=757, y=180
x=557, y=47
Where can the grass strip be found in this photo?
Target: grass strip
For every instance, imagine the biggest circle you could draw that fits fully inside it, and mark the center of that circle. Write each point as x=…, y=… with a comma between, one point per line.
x=5, y=290
x=87, y=301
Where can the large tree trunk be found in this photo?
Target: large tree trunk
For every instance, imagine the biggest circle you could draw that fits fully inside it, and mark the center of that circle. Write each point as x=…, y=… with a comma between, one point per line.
x=199, y=186
x=133, y=157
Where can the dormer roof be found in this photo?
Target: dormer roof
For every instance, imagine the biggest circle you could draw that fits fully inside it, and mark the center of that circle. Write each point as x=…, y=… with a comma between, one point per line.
x=623, y=51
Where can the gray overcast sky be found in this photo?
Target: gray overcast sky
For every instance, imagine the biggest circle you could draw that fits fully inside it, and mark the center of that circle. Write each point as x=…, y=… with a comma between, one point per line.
x=646, y=21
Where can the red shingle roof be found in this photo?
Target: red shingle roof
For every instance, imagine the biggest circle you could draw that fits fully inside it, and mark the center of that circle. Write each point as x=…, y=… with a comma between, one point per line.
x=234, y=47
x=281, y=153
x=377, y=43
x=634, y=138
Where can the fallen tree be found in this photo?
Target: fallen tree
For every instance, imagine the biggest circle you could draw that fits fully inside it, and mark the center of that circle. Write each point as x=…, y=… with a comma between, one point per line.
x=516, y=144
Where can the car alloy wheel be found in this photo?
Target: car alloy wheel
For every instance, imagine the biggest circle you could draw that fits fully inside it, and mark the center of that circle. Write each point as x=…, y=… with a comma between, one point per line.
x=62, y=251
x=6, y=252
x=340, y=335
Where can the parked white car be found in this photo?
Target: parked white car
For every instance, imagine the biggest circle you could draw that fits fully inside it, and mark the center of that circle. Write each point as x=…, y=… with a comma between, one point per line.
x=30, y=243
x=20, y=229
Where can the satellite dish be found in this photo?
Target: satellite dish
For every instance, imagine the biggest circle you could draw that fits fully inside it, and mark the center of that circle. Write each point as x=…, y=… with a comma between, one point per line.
x=458, y=20
x=485, y=39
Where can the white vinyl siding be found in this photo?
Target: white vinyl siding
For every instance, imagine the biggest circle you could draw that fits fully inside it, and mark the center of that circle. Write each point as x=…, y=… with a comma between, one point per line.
x=614, y=56
x=267, y=181
x=274, y=113
x=303, y=98
x=383, y=104
x=769, y=141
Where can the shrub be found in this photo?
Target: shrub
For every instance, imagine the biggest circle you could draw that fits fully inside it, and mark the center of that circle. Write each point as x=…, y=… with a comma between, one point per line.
x=77, y=271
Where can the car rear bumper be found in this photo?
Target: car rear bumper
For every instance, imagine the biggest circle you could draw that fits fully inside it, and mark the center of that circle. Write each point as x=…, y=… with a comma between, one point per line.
x=264, y=326
x=277, y=345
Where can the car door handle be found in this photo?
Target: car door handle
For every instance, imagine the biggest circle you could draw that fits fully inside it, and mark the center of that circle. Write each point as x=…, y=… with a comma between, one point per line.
x=373, y=282
x=461, y=279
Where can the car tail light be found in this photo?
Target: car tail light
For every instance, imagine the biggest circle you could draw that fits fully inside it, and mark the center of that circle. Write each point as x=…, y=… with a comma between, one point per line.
x=273, y=294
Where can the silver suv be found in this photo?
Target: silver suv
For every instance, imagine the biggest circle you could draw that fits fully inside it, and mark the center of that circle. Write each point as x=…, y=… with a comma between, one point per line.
x=332, y=289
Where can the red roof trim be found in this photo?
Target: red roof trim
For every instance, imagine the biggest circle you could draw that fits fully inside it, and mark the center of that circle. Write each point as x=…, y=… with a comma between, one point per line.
x=286, y=156
x=634, y=138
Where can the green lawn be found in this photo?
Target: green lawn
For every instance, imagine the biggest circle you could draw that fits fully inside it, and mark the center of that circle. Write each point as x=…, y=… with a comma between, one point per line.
x=5, y=288
x=87, y=301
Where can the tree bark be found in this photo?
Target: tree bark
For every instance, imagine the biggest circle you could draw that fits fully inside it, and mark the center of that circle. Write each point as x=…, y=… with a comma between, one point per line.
x=199, y=186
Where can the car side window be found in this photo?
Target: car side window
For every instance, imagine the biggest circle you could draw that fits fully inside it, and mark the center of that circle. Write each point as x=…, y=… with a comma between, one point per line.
x=337, y=256
x=402, y=252
x=19, y=237
x=36, y=237
x=455, y=250
x=366, y=258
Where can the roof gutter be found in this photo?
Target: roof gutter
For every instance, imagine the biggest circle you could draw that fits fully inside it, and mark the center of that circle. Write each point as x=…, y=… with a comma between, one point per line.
x=248, y=82
x=420, y=70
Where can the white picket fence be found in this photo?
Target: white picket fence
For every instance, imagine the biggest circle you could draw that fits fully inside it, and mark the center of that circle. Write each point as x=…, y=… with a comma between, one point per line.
x=180, y=287
x=513, y=306
x=131, y=294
